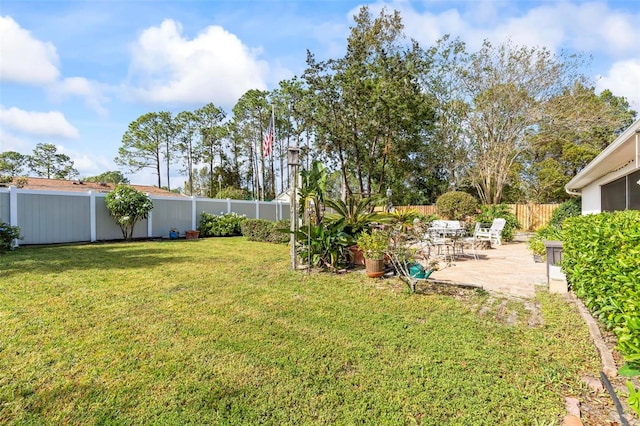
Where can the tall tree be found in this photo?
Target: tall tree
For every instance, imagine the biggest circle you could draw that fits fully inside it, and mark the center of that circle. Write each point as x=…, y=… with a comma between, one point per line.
x=212, y=132
x=445, y=161
x=47, y=162
x=114, y=177
x=292, y=121
x=12, y=163
x=142, y=145
x=251, y=116
x=370, y=114
x=576, y=126
x=507, y=87
x=187, y=124
x=170, y=130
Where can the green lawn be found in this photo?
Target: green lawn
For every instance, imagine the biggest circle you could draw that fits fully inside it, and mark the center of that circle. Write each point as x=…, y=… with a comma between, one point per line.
x=219, y=331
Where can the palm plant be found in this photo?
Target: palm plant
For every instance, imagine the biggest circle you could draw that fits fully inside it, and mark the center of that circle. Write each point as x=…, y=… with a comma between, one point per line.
x=313, y=187
x=324, y=244
x=356, y=213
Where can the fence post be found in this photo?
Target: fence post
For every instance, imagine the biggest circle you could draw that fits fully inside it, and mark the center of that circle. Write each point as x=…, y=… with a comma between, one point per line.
x=149, y=221
x=13, y=210
x=228, y=205
x=257, y=209
x=92, y=215
x=194, y=218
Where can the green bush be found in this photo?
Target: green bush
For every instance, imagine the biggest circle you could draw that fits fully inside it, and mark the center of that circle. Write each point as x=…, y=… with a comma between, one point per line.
x=325, y=245
x=127, y=206
x=373, y=244
x=488, y=213
x=233, y=193
x=265, y=230
x=601, y=258
x=456, y=205
x=8, y=235
x=225, y=225
x=546, y=233
x=569, y=208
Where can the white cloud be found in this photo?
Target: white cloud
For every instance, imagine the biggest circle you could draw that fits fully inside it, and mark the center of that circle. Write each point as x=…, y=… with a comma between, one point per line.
x=92, y=92
x=11, y=142
x=88, y=165
x=24, y=58
x=623, y=79
x=589, y=26
x=213, y=66
x=50, y=124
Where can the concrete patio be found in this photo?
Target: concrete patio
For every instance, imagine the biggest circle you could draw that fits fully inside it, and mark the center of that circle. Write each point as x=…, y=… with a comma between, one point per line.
x=508, y=268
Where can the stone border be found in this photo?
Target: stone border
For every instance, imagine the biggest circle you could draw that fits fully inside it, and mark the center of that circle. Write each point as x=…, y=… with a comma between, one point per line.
x=606, y=357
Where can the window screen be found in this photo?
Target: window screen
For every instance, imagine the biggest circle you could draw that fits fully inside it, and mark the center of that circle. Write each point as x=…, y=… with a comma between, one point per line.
x=614, y=195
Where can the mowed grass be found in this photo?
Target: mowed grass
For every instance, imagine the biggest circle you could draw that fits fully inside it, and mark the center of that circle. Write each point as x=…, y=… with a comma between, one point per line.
x=220, y=331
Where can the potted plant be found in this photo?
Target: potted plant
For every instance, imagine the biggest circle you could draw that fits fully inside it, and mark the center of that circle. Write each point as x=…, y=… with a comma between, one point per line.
x=191, y=234
x=373, y=245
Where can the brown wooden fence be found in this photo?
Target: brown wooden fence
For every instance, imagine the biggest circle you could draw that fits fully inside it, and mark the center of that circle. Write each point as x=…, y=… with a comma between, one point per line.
x=530, y=216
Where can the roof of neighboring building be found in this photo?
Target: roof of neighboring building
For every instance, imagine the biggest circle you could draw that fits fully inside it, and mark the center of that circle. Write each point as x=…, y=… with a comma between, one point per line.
x=620, y=153
x=44, y=184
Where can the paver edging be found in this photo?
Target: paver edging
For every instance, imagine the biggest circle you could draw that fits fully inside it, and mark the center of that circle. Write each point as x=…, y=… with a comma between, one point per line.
x=606, y=357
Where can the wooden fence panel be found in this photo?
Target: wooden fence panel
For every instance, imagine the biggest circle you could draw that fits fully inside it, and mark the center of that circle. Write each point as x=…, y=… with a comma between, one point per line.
x=530, y=216
x=425, y=210
x=533, y=216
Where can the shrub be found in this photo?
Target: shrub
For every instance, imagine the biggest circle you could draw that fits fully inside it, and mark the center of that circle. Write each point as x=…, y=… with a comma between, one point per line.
x=325, y=245
x=233, y=193
x=127, y=205
x=536, y=242
x=373, y=244
x=224, y=225
x=8, y=235
x=569, y=208
x=456, y=205
x=265, y=230
x=601, y=258
x=488, y=213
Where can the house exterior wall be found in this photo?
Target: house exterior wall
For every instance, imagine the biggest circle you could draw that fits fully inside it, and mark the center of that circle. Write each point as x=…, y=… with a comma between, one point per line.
x=49, y=217
x=591, y=201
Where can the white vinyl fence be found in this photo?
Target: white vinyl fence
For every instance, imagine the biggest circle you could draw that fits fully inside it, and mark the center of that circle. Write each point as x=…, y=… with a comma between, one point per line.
x=50, y=217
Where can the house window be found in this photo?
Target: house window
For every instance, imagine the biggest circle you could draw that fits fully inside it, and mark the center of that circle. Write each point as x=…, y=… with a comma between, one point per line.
x=614, y=195
x=621, y=194
x=634, y=190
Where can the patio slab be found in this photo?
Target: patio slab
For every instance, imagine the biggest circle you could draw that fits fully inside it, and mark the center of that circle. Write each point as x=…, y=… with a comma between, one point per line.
x=508, y=268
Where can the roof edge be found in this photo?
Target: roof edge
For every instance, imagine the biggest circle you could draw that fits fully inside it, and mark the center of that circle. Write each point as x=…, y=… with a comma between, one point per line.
x=630, y=131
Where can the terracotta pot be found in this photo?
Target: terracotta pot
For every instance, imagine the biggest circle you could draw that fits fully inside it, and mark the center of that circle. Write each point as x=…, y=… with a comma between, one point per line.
x=374, y=267
x=357, y=258
x=191, y=235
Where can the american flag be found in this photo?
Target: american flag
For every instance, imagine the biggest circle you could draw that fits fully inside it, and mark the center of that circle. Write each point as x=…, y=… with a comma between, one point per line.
x=267, y=144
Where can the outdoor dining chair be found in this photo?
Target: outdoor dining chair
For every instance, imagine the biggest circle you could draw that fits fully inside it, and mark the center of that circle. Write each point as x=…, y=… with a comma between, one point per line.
x=471, y=241
x=494, y=233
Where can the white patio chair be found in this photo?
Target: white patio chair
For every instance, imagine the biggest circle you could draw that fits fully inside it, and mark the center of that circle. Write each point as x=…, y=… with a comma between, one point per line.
x=471, y=241
x=494, y=233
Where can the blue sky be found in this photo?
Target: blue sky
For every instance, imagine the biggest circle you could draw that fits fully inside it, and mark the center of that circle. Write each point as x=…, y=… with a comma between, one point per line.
x=76, y=73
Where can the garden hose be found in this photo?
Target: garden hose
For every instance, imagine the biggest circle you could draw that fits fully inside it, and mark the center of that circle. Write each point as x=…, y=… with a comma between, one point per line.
x=616, y=401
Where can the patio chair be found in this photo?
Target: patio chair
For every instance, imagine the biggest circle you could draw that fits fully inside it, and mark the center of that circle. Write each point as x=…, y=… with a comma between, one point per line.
x=494, y=233
x=471, y=241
